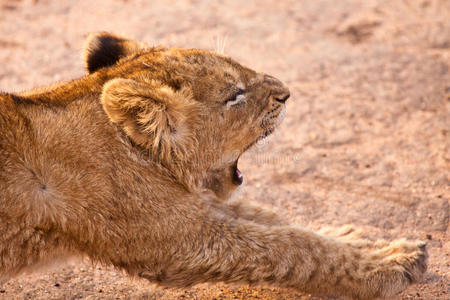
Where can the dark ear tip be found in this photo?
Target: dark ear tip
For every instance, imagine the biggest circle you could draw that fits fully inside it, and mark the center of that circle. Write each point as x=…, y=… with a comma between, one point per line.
x=102, y=49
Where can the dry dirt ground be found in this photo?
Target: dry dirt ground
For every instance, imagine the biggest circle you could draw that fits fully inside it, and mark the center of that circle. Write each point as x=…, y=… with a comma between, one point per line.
x=366, y=140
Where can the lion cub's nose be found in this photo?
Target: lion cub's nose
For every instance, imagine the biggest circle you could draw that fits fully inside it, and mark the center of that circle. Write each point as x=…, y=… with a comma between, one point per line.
x=283, y=98
x=280, y=91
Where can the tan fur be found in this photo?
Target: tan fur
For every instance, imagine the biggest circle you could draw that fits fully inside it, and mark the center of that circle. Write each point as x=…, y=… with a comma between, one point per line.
x=131, y=166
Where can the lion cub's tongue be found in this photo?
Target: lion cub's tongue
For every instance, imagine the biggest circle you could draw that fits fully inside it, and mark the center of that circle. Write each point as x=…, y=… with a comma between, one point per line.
x=238, y=178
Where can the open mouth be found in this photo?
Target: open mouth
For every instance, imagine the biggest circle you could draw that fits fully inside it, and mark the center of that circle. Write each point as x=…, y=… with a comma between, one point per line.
x=237, y=176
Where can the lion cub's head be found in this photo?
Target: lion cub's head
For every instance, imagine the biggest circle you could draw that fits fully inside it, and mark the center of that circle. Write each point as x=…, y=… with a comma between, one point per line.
x=195, y=111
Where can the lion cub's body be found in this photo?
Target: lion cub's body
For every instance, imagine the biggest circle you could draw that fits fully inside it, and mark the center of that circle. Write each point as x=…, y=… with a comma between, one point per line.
x=131, y=164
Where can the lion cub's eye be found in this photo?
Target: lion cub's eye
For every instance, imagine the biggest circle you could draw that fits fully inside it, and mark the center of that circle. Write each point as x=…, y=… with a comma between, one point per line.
x=237, y=98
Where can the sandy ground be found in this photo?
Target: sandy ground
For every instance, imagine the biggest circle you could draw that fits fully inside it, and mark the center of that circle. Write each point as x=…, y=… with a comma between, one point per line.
x=366, y=140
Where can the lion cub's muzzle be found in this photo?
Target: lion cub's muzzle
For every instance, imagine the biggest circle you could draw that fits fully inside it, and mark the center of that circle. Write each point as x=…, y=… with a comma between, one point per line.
x=278, y=93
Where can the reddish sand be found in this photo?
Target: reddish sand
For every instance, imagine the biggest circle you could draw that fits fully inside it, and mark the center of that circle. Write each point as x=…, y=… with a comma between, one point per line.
x=366, y=140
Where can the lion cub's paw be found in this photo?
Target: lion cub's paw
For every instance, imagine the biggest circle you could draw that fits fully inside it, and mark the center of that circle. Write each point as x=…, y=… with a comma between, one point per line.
x=397, y=266
x=410, y=256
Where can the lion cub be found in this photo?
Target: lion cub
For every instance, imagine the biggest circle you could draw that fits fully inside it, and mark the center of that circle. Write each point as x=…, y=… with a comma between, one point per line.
x=130, y=166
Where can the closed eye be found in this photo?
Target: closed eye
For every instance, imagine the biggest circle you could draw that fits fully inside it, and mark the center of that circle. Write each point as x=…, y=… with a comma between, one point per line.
x=237, y=98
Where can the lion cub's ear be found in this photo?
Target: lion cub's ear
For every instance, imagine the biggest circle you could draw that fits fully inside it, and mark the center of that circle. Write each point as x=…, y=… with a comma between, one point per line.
x=104, y=49
x=153, y=115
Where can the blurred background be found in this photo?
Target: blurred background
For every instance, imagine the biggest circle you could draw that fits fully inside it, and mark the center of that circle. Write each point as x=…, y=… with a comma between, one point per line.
x=366, y=139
